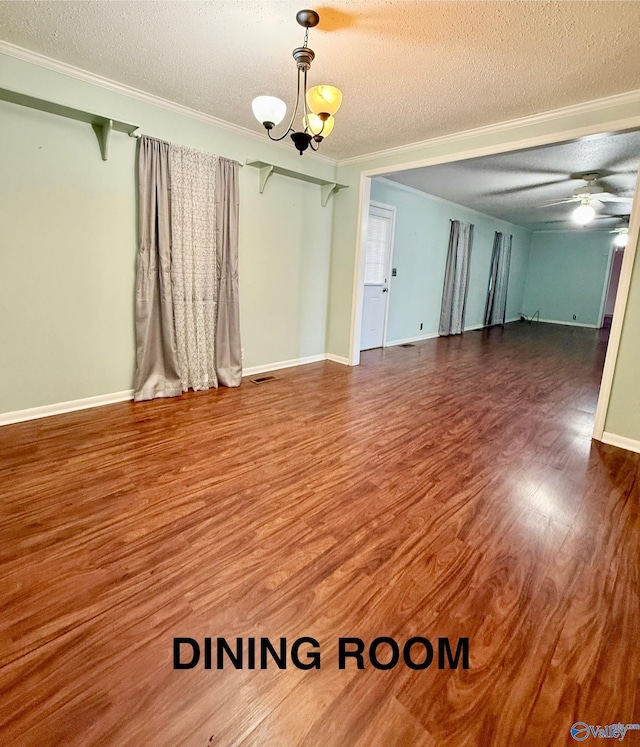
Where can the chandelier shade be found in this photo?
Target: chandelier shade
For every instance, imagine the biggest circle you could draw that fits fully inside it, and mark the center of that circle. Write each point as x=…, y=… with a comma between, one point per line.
x=315, y=126
x=318, y=104
x=269, y=109
x=324, y=99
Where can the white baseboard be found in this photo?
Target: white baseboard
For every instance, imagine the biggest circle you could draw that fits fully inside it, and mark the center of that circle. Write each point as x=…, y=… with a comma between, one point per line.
x=432, y=335
x=33, y=413
x=621, y=442
x=484, y=326
x=405, y=340
x=567, y=324
x=283, y=364
x=253, y=370
x=337, y=359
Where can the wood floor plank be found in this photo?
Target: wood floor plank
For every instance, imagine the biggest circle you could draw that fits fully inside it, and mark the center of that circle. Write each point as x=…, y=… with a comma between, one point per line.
x=450, y=490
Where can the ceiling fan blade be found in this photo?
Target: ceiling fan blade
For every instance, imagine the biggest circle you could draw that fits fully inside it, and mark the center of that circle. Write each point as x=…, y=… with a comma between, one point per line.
x=606, y=197
x=612, y=217
x=617, y=216
x=561, y=202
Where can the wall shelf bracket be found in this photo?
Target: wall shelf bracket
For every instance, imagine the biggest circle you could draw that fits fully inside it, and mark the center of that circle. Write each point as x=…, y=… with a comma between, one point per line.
x=327, y=188
x=102, y=126
x=265, y=172
x=103, y=132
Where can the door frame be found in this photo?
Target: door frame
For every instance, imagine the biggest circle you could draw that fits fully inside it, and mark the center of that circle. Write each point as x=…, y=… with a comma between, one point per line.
x=392, y=210
x=604, y=127
x=605, y=290
x=603, y=306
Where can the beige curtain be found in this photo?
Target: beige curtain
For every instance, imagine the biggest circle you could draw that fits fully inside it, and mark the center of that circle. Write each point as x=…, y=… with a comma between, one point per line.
x=228, y=347
x=156, y=357
x=188, y=326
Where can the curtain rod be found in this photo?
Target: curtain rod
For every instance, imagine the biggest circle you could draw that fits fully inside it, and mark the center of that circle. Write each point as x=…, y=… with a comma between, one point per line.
x=137, y=135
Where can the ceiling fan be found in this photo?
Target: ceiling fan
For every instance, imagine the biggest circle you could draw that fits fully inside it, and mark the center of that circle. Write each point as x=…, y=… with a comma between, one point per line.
x=593, y=194
x=592, y=191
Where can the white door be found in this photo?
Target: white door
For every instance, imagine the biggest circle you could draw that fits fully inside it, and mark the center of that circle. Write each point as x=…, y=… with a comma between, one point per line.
x=376, y=276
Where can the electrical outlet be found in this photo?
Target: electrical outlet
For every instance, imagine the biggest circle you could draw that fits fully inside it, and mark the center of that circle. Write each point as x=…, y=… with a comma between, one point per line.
x=242, y=353
x=574, y=317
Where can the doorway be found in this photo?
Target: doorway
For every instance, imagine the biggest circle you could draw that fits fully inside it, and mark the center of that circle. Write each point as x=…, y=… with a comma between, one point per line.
x=612, y=291
x=377, y=275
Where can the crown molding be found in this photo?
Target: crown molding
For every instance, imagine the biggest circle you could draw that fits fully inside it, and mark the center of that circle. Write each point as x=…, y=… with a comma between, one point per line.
x=594, y=105
x=587, y=107
x=35, y=58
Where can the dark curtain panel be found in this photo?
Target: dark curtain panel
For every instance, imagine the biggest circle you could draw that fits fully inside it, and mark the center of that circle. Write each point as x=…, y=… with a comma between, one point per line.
x=496, y=307
x=456, y=279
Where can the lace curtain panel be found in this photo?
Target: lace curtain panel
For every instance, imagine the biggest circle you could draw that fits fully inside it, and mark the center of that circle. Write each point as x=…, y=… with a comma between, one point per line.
x=456, y=279
x=194, y=276
x=195, y=266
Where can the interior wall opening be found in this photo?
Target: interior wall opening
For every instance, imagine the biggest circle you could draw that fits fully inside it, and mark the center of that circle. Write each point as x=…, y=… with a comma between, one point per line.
x=561, y=273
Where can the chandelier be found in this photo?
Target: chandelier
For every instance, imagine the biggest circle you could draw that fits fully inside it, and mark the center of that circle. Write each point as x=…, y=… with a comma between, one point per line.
x=319, y=103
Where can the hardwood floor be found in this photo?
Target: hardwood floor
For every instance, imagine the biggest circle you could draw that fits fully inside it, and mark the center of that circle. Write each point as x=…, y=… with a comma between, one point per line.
x=450, y=489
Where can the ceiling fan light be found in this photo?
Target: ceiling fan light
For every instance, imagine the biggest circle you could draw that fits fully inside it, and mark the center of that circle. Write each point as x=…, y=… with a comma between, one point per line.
x=269, y=109
x=583, y=214
x=621, y=240
x=324, y=99
x=313, y=124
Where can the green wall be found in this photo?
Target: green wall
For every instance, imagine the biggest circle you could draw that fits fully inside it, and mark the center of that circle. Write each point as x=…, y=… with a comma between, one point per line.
x=420, y=253
x=568, y=272
x=68, y=242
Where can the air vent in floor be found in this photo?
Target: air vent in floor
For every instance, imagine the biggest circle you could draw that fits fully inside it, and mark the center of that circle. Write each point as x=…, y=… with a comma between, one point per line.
x=407, y=345
x=262, y=379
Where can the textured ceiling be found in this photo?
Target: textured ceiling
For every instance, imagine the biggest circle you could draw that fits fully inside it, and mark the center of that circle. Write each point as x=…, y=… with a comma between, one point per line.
x=516, y=186
x=409, y=70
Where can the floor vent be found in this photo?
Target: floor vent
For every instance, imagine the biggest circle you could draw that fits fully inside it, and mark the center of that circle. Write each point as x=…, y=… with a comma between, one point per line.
x=407, y=345
x=262, y=379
